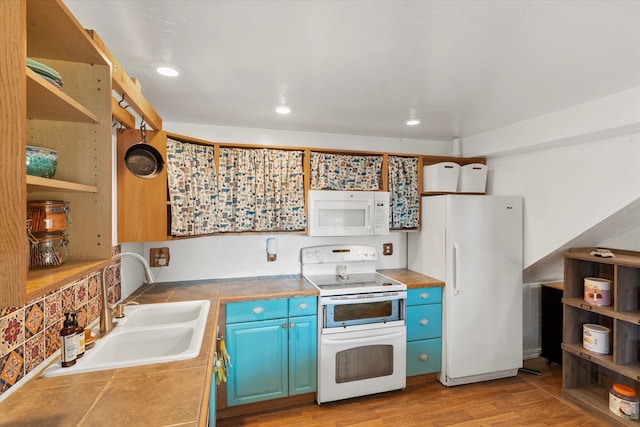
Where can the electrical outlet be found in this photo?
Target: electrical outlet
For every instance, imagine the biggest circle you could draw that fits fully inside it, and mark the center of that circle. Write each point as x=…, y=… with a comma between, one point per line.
x=387, y=249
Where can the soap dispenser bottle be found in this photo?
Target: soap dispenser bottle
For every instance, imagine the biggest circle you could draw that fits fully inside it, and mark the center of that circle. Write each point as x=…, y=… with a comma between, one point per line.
x=68, y=342
x=79, y=335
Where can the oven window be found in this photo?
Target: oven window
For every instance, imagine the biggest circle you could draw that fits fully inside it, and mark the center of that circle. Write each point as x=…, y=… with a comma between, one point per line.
x=371, y=310
x=360, y=363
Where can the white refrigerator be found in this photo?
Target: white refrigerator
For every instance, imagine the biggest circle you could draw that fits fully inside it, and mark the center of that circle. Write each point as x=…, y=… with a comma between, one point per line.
x=474, y=244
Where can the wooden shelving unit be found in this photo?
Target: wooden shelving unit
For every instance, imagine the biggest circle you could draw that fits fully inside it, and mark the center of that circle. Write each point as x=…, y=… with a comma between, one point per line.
x=431, y=160
x=587, y=376
x=75, y=121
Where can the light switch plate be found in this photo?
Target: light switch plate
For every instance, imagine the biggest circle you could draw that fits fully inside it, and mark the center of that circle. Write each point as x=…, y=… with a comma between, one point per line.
x=159, y=257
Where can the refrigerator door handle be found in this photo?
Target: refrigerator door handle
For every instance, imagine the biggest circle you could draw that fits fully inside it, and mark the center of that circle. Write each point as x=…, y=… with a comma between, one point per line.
x=456, y=262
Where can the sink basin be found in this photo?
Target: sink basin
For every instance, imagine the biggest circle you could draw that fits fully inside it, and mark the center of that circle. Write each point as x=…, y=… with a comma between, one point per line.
x=148, y=336
x=163, y=314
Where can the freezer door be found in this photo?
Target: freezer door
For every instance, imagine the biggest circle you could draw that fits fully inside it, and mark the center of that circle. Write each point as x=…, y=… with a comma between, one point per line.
x=483, y=293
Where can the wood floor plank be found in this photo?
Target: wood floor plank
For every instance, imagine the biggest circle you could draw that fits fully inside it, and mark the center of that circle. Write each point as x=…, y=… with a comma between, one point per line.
x=524, y=400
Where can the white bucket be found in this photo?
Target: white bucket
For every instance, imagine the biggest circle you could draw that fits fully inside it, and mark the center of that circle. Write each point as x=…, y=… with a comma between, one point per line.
x=597, y=291
x=595, y=338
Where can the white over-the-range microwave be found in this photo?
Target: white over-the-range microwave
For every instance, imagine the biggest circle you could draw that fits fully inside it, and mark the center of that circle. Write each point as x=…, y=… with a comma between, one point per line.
x=348, y=213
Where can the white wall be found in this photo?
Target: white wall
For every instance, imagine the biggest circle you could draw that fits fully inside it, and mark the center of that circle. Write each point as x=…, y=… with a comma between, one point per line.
x=574, y=168
x=218, y=257
x=273, y=137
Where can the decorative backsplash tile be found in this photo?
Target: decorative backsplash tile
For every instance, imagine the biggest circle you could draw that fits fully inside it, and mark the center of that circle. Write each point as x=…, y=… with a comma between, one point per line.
x=30, y=334
x=12, y=331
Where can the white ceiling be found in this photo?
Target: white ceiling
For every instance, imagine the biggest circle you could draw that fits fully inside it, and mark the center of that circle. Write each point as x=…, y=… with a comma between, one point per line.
x=364, y=67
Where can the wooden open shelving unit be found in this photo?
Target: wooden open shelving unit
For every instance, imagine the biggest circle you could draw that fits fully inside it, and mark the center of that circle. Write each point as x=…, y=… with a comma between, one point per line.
x=588, y=376
x=75, y=121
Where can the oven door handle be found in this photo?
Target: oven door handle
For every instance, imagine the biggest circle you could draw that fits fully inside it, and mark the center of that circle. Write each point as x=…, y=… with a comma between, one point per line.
x=331, y=301
x=364, y=339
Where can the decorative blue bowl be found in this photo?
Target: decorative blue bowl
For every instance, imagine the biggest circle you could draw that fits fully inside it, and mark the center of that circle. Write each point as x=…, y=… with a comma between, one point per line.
x=41, y=161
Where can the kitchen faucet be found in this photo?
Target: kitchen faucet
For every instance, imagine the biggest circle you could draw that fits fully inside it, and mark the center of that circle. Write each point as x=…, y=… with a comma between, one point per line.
x=106, y=321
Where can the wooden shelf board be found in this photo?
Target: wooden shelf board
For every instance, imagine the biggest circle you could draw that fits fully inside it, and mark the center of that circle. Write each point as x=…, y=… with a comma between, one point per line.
x=440, y=193
x=595, y=399
x=605, y=360
x=43, y=280
x=46, y=20
x=623, y=258
x=47, y=102
x=430, y=160
x=36, y=183
x=627, y=316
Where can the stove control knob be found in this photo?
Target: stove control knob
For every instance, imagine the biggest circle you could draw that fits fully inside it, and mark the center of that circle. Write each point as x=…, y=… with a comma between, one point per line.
x=316, y=254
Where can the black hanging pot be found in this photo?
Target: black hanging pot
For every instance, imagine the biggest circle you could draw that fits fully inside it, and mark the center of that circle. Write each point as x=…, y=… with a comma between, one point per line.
x=143, y=160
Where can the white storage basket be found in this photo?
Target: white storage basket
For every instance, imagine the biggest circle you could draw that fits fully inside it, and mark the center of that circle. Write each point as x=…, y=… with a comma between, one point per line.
x=473, y=178
x=441, y=177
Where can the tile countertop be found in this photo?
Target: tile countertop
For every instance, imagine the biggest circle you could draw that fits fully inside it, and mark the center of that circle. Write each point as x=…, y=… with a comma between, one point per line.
x=162, y=394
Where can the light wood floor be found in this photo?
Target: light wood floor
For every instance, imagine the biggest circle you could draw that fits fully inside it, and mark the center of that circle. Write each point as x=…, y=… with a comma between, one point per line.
x=525, y=400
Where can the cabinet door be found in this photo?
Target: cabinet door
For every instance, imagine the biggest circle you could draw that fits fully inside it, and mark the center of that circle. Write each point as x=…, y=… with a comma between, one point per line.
x=142, y=203
x=259, y=356
x=424, y=356
x=424, y=321
x=420, y=296
x=303, y=354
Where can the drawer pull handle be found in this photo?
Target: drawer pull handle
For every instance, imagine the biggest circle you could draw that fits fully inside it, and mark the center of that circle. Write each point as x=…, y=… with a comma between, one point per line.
x=257, y=310
x=424, y=295
x=585, y=355
x=424, y=357
x=588, y=307
x=291, y=325
x=303, y=305
x=284, y=325
x=424, y=322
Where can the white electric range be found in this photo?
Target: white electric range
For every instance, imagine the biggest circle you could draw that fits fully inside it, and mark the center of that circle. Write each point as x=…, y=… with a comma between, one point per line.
x=362, y=330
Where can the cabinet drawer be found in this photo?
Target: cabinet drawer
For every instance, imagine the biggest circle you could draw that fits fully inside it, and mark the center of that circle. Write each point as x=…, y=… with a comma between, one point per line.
x=424, y=296
x=424, y=321
x=303, y=306
x=424, y=357
x=250, y=311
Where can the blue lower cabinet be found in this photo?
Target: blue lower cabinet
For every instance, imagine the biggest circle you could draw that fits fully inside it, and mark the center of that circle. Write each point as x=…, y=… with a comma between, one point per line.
x=424, y=331
x=259, y=356
x=303, y=354
x=424, y=356
x=271, y=358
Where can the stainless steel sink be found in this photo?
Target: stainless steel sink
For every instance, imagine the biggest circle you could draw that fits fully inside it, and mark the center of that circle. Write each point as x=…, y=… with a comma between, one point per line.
x=153, y=333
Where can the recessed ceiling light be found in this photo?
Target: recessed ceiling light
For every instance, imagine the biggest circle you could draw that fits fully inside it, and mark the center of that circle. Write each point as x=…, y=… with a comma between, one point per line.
x=412, y=122
x=167, y=71
x=283, y=109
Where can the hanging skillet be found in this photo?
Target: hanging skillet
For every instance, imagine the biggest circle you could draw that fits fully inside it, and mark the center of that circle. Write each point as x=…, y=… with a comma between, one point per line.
x=142, y=159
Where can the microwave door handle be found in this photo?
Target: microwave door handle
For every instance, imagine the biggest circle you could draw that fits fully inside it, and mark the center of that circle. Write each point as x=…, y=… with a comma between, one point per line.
x=369, y=215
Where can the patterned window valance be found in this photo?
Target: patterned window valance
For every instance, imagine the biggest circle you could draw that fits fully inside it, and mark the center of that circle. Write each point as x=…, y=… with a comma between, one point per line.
x=193, y=188
x=261, y=189
x=403, y=186
x=345, y=172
